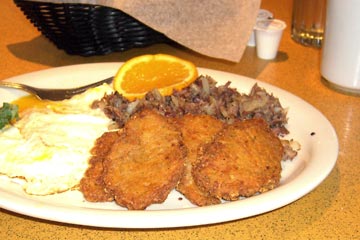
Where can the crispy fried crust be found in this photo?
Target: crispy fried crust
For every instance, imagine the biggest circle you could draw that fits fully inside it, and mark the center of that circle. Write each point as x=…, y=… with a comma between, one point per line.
x=146, y=162
x=196, y=130
x=243, y=159
x=92, y=185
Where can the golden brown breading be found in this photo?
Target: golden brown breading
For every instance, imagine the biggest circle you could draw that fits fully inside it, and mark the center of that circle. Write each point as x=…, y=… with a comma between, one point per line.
x=92, y=185
x=146, y=162
x=196, y=130
x=243, y=159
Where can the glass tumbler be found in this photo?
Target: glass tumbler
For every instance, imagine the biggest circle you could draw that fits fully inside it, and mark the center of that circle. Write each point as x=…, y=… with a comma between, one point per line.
x=308, y=22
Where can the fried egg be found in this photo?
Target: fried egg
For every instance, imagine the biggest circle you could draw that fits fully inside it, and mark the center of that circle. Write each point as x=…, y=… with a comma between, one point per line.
x=49, y=147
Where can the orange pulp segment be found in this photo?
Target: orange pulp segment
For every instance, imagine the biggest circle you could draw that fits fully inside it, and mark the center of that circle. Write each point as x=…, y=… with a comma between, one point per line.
x=144, y=73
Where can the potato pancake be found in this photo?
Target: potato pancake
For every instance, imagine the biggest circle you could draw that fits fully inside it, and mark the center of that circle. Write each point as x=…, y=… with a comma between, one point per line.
x=243, y=159
x=146, y=162
x=196, y=130
x=92, y=185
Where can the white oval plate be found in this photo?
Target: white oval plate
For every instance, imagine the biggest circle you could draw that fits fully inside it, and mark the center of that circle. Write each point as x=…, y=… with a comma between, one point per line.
x=314, y=162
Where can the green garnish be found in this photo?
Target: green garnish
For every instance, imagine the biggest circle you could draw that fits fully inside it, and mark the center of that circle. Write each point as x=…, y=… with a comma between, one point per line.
x=9, y=113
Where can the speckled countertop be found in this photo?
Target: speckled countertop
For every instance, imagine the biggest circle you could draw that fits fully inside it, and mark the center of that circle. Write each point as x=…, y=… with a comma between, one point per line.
x=330, y=211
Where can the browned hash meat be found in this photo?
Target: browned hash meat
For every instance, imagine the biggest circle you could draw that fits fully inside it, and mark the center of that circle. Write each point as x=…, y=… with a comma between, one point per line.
x=202, y=97
x=243, y=159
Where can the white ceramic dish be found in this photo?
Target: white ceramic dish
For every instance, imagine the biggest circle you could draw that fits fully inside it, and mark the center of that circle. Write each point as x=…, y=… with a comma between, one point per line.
x=314, y=162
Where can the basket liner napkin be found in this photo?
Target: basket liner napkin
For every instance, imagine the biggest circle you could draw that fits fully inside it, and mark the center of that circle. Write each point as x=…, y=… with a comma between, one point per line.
x=215, y=28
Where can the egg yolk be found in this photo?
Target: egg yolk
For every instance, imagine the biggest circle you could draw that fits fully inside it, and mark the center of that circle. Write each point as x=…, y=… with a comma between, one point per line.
x=31, y=101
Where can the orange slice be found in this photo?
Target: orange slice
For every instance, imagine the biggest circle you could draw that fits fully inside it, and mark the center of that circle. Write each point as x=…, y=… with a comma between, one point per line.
x=142, y=74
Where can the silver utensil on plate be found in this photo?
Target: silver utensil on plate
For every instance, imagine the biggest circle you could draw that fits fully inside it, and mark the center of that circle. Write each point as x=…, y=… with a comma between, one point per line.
x=51, y=93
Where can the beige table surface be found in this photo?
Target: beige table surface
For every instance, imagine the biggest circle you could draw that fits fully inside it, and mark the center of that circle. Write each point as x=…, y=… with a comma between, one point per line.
x=331, y=211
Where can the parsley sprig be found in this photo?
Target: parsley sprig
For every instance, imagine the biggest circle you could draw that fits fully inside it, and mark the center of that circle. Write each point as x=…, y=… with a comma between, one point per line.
x=9, y=113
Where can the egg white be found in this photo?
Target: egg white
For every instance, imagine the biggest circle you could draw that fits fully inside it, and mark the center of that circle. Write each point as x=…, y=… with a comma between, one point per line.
x=50, y=148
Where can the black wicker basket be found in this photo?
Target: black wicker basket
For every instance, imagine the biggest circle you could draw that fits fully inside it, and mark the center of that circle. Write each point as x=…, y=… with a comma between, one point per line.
x=87, y=30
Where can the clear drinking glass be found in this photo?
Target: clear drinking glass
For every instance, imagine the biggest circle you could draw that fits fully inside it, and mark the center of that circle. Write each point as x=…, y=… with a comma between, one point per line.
x=308, y=22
